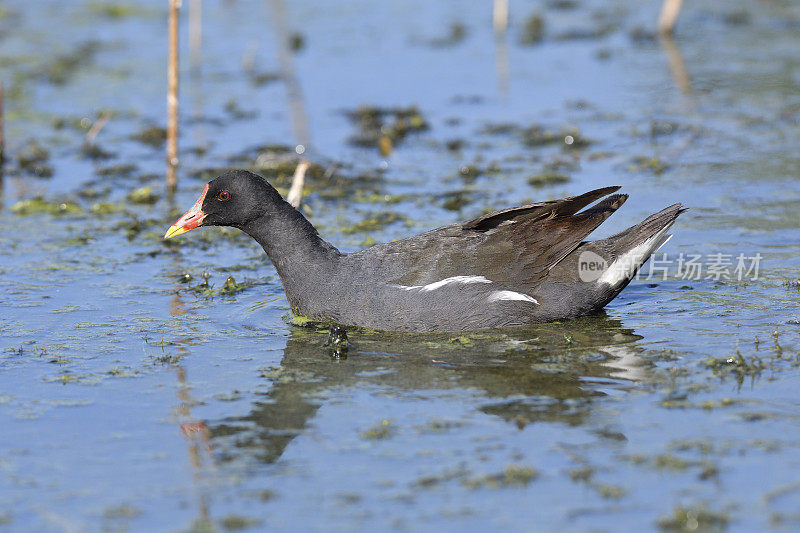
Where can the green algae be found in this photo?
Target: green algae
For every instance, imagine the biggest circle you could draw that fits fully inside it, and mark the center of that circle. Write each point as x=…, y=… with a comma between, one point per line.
x=582, y=474
x=433, y=480
x=511, y=476
x=297, y=41
x=119, y=10
x=709, y=405
x=367, y=242
x=105, y=208
x=259, y=79
x=154, y=136
x=395, y=124
x=123, y=373
x=648, y=164
x=462, y=340
x=277, y=164
x=230, y=286
x=500, y=128
x=532, y=31
x=122, y=170
x=380, y=431
x=547, y=179
x=33, y=159
x=374, y=222
x=122, y=511
x=78, y=240
x=736, y=365
x=440, y=426
x=237, y=113
x=670, y=463
x=455, y=145
x=235, y=522
x=469, y=172
x=60, y=69
x=455, y=35
x=93, y=151
x=300, y=320
x=143, y=195
x=32, y=153
x=364, y=197
x=39, y=205
x=455, y=201
x=536, y=136
x=693, y=518
x=609, y=491
x=792, y=284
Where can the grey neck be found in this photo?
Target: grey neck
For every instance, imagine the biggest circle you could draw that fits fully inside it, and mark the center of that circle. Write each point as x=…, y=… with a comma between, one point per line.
x=303, y=260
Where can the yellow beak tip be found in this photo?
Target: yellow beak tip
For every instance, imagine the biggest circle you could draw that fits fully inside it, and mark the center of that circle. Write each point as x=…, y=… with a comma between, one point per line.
x=174, y=231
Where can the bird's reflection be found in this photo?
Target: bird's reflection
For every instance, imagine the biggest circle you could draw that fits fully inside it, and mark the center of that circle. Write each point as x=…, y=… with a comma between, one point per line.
x=552, y=373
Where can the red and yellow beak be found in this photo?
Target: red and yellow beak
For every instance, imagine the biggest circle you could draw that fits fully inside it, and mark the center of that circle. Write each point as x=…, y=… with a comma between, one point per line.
x=190, y=220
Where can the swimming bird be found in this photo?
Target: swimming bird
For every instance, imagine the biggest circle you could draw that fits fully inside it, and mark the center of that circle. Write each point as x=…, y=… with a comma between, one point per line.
x=516, y=266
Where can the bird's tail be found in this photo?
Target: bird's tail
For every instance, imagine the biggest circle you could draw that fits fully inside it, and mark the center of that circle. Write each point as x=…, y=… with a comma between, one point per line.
x=633, y=246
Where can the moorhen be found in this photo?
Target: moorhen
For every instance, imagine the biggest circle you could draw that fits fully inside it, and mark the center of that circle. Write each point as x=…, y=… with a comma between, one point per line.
x=512, y=267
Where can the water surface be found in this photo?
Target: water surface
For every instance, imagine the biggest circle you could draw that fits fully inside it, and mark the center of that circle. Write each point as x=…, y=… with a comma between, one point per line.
x=137, y=395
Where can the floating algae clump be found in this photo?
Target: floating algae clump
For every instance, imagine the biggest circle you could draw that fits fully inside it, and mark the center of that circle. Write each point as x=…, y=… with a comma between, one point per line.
x=651, y=164
x=119, y=10
x=394, y=124
x=511, y=476
x=547, y=178
x=231, y=286
x=234, y=522
x=569, y=138
x=104, y=208
x=61, y=68
x=39, y=205
x=380, y=431
x=533, y=31
x=374, y=222
x=693, y=519
x=32, y=159
x=735, y=365
x=143, y=195
x=153, y=136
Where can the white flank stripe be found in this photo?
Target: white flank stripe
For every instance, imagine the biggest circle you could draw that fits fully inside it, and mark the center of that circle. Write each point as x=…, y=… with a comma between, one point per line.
x=498, y=296
x=622, y=269
x=447, y=281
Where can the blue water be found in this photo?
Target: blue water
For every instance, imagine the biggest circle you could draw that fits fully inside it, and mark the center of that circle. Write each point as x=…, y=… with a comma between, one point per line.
x=130, y=400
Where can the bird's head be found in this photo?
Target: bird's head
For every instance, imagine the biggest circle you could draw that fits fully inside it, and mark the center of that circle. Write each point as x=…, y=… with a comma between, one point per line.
x=231, y=199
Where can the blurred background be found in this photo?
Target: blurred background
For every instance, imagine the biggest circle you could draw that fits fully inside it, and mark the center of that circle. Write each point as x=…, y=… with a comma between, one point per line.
x=162, y=385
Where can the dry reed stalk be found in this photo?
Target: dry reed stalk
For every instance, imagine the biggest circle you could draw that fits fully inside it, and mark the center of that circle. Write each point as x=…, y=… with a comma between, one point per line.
x=500, y=16
x=669, y=14
x=172, y=96
x=2, y=146
x=297, y=110
x=298, y=180
x=98, y=125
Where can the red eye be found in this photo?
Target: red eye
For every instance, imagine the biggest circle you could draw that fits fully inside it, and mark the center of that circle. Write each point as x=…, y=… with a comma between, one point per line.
x=224, y=196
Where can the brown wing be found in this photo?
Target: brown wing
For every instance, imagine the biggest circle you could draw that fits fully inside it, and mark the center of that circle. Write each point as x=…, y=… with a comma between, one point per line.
x=564, y=206
x=520, y=254
x=515, y=247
